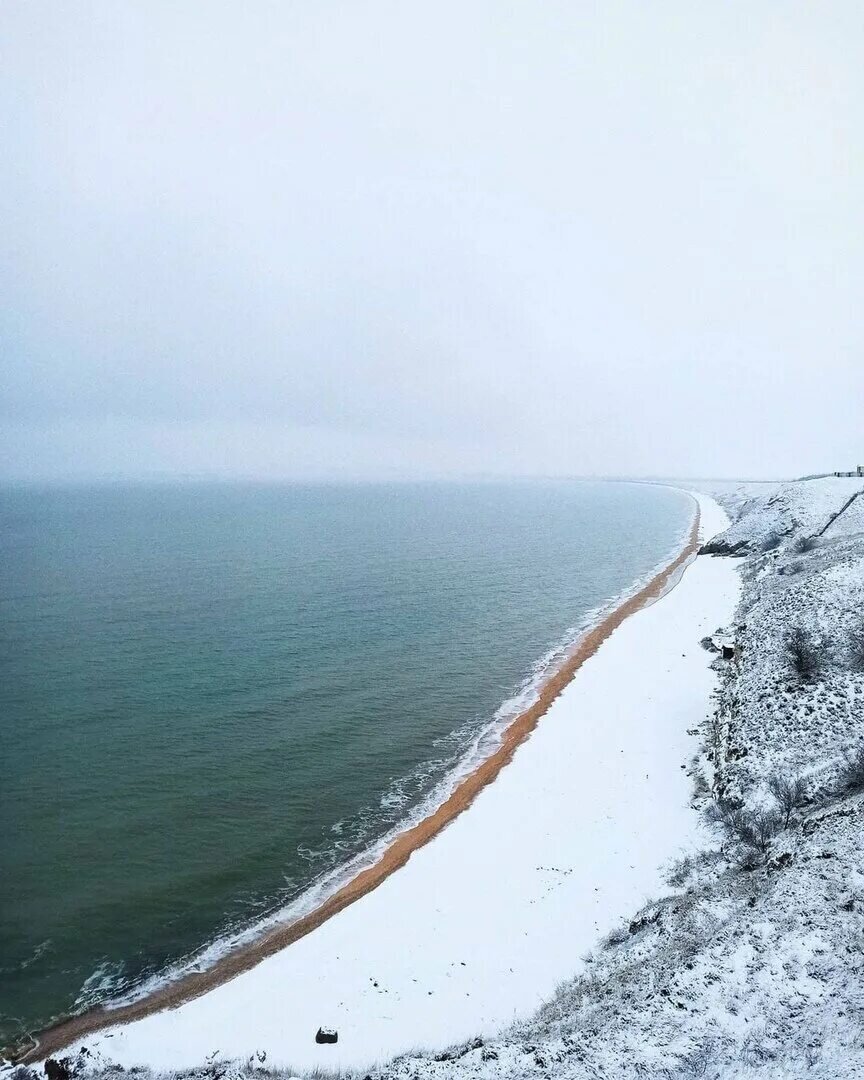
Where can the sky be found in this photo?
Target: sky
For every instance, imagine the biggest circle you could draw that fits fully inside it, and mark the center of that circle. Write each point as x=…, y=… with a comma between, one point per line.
x=312, y=239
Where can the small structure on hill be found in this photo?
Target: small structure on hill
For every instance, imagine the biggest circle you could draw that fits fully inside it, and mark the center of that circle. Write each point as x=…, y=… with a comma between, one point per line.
x=857, y=472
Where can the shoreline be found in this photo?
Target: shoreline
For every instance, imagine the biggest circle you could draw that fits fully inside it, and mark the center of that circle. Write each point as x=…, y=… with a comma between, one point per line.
x=196, y=984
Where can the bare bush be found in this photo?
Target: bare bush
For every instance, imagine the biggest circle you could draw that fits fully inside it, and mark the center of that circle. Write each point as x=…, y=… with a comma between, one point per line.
x=790, y=793
x=754, y=829
x=855, y=650
x=616, y=937
x=681, y=870
x=792, y=568
x=804, y=544
x=851, y=777
x=772, y=541
x=757, y=828
x=701, y=1063
x=805, y=653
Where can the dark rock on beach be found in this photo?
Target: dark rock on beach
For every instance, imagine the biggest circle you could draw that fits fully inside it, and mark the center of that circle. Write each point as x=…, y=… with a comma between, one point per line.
x=719, y=546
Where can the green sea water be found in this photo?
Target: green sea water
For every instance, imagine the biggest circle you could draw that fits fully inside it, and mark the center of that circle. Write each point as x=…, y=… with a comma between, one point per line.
x=212, y=696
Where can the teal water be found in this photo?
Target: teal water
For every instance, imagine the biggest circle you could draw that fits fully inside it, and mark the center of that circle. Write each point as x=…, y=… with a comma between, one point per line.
x=212, y=696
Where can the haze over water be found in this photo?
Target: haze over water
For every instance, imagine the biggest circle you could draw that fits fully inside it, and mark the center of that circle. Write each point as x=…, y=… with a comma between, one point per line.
x=211, y=695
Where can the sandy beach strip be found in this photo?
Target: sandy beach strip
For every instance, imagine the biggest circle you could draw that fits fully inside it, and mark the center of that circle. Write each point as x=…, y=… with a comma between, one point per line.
x=399, y=967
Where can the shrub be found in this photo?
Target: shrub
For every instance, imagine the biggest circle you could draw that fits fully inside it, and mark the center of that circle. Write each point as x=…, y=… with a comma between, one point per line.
x=804, y=544
x=790, y=793
x=851, y=777
x=755, y=829
x=699, y=1064
x=805, y=653
x=855, y=650
x=681, y=871
x=616, y=937
x=772, y=541
x=794, y=567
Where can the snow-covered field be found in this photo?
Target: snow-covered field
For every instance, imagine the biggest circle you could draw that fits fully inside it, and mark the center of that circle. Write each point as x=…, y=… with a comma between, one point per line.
x=483, y=923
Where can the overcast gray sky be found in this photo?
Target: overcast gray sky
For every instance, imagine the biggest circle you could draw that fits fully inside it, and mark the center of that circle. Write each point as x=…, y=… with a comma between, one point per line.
x=320, y=239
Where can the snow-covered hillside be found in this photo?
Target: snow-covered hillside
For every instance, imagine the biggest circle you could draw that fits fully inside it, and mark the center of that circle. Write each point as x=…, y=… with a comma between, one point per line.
x=764, y=521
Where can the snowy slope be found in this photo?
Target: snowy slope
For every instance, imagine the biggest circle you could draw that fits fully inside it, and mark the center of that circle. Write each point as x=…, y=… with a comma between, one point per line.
x=795, y=509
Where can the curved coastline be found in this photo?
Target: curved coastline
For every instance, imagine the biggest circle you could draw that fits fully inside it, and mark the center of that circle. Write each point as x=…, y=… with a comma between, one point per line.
x=194, y=984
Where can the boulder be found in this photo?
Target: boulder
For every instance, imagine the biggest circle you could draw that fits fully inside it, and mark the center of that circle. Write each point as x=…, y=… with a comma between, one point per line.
x=323, y=1035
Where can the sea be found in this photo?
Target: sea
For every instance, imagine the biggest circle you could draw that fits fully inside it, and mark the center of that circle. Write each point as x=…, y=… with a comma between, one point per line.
x=218, y=701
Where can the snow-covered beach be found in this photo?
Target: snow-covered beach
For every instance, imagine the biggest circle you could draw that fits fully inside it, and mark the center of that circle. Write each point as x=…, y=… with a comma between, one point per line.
x=483, y=922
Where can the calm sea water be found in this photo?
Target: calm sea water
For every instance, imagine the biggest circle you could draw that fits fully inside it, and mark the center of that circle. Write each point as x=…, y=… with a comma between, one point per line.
x=211, y=696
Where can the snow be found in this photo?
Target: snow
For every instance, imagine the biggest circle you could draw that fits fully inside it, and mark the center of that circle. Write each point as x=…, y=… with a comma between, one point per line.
x=749, y=967
x=802, y=508
x=778, y=721
x=483, y=923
